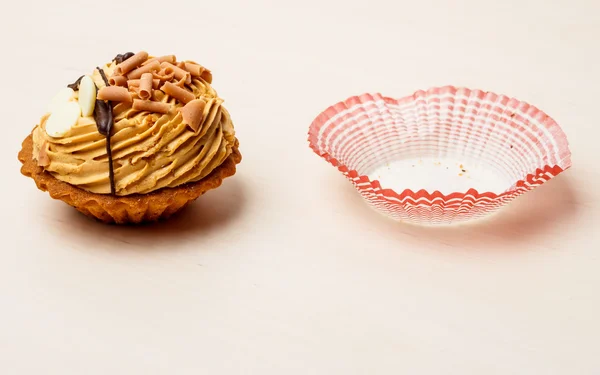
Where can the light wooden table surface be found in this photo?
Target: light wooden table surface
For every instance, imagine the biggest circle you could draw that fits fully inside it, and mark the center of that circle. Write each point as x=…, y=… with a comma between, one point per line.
x=284, y=270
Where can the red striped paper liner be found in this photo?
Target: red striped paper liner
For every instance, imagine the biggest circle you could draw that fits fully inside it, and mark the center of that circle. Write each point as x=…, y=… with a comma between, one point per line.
x=511, y=136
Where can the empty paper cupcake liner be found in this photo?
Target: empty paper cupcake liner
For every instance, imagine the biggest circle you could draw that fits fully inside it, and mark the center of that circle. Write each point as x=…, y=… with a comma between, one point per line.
x=440, y=156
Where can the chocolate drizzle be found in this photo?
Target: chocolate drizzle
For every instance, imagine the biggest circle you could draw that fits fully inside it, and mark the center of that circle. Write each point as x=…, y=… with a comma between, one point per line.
x=103, y=75
x=122, y=57
x=103, y=114
x=75, y=85
x=103, y=117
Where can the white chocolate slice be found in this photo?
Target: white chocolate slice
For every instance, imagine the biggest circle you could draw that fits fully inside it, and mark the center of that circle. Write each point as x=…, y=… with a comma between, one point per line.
x=87, y=96
x=63, y=96
x=62, y=119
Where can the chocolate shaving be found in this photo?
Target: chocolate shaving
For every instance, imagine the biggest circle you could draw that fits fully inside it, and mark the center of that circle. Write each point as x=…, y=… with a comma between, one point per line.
x=103, y=114
x=122, y=57
x=75, y=85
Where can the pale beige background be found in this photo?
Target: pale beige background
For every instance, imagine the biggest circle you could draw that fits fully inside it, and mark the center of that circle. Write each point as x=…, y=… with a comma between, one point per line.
x=284, y=270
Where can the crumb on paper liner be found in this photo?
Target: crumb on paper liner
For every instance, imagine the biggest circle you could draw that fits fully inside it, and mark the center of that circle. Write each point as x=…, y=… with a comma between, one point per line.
x=131, y=209
x=350, y=130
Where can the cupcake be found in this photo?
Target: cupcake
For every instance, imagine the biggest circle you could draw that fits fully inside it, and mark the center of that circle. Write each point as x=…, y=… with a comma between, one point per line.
x=135, y=141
